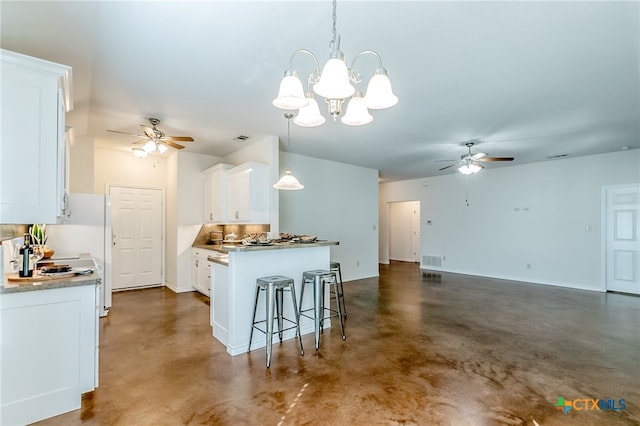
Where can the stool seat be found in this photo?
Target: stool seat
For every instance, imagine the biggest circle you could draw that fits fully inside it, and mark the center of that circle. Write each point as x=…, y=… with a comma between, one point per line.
x=274, y=287
x=319, y=278
x=278, y=281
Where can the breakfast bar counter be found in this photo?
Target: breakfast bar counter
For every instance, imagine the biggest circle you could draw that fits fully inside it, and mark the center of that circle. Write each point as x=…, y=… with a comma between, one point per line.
x=233, y=286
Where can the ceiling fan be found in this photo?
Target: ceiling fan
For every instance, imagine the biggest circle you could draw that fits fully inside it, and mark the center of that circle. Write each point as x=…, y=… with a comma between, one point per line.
x=470, y=163
x=155, y=138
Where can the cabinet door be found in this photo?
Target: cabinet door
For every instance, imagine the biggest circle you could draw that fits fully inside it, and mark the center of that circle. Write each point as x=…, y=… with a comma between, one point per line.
x=240, y=197
x=215, y=193
x=28, y=157
x=209, y=207
x=204, y=276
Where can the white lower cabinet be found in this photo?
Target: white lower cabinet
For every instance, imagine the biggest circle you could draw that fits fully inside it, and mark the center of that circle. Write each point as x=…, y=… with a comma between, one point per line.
x=220, y=304
x=201, y=272
x=49, y=352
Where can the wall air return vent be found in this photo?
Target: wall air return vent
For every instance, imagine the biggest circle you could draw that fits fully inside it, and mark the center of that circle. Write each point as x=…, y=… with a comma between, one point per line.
x=431, y=260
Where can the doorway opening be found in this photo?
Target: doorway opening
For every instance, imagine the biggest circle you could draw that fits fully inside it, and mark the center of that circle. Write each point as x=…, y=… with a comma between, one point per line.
x=404, y=231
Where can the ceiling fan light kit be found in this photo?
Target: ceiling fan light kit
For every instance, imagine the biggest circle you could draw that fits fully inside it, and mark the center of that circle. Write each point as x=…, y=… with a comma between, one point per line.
x=336, y=84
x=469, y=169
x=155, y=140
x=470, y=163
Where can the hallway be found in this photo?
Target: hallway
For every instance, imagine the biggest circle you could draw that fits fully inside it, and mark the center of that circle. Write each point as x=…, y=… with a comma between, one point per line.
x=421, y=349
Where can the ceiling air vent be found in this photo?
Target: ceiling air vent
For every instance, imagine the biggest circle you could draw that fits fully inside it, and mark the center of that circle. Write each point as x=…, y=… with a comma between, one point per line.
x=241, y=138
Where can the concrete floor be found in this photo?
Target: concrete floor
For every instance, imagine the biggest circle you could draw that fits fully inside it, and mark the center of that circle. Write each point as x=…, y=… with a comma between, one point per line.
x=421, y=349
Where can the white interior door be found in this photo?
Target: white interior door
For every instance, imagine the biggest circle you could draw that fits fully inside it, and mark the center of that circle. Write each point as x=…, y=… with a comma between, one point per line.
x=622, y=243
x=136, y=215
x=404, y=231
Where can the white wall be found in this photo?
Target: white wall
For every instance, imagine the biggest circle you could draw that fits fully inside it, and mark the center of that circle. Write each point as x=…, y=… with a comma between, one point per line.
x=339, y=202
x=81, y=170
x=171, y=219
x=534, y=214
x=189, y=207
x=123, y=168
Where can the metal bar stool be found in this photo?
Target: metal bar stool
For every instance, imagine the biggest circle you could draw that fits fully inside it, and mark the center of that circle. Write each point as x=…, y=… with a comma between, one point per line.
x=274, y=288
x=319, y=278
x=335, y=267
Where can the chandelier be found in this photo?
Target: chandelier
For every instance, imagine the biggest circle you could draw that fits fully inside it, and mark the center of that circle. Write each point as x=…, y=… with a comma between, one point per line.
x=336, y=84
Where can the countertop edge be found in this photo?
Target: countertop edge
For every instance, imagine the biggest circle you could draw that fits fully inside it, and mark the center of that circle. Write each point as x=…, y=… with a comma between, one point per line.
x=12, y=287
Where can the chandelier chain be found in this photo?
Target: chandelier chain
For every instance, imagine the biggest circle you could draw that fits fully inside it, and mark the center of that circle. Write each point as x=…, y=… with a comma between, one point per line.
x=334, y=31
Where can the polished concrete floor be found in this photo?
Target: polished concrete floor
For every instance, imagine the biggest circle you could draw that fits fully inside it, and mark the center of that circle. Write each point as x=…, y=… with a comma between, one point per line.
x=421, y=349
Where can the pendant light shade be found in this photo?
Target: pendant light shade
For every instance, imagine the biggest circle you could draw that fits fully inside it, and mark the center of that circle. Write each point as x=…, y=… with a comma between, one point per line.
x=291, y=93
x=379, y=94
x=309, y=115
x=357, y=113
x=288, y=182
x=162, y=148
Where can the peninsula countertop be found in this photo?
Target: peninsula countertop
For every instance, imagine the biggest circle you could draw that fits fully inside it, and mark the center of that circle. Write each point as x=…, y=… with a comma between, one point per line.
x=224, y=248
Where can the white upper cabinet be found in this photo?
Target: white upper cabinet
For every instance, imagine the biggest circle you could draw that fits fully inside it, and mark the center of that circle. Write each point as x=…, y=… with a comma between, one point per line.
x=215, y=193
x=36, y=94
x=248, y=193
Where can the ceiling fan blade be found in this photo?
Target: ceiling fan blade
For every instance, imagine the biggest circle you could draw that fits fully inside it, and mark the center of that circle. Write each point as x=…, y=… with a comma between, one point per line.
x=478, y=155
x=178, y=138
x=148, y=131
x=172, y=145
x=125, y=133
x=444, y=161
x=496, y=159
x=141, y=141
x=450, y=165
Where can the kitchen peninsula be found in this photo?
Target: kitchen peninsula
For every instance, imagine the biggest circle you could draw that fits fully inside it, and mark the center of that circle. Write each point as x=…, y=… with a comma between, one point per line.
x=234, y=270
x=49, y=352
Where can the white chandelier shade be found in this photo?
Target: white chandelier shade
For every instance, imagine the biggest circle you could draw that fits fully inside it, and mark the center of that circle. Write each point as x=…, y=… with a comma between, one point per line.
x=309, y=115
x=291, y=93
x=336, y=84
x=334, y=81
x=357, y=113
x=379, y=94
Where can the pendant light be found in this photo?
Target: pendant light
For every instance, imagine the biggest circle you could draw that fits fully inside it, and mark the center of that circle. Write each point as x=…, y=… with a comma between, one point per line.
x=288, y=181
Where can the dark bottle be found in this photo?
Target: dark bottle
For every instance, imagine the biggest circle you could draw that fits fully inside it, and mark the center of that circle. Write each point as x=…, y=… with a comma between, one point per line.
x=25, y=268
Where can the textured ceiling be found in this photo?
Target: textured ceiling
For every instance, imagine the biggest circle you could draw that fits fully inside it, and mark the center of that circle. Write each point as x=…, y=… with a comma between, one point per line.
x=531, y=80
